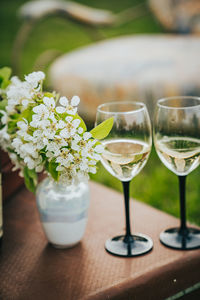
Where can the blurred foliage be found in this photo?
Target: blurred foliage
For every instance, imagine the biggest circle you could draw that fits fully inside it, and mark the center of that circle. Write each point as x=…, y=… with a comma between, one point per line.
x=155, y=185
x=61, y=34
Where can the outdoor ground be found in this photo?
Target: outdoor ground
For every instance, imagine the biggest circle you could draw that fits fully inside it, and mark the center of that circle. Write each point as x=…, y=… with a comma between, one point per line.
x=155, y=185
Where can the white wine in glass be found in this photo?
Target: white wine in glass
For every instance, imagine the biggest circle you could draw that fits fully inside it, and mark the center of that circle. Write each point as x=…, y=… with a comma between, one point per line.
x=127, y=148
x=177, y=142
x=124, y=158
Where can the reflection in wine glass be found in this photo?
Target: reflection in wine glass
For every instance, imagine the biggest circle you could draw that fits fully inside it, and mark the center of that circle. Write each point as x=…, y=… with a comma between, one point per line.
x=126, y=151
x=177, y=142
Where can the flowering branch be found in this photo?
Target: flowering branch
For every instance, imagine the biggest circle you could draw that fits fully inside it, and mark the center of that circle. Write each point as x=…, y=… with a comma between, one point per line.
x=42, y=132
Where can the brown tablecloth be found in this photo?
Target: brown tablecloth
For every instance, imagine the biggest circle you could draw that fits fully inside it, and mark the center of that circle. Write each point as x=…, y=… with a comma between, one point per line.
x=32, y=269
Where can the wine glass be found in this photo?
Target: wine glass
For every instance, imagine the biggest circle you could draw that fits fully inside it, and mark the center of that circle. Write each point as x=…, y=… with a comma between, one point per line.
x=177, y=142
x=127, y=148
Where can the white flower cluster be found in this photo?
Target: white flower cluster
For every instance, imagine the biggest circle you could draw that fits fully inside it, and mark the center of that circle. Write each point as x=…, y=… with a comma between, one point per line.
x=45, y=133
x=19, y=95
x=23, y=92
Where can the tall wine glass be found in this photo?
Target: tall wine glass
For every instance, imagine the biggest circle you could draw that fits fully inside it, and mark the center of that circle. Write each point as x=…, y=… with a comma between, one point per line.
x=177, y=142
x=127, y=149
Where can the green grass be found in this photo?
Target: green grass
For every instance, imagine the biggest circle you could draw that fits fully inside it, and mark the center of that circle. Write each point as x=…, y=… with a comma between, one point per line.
x=155, y=185
x=158, y=186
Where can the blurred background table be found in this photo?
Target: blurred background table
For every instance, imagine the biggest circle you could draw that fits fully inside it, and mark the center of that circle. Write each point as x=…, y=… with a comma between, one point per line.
x=32, y=269
x=135, y=67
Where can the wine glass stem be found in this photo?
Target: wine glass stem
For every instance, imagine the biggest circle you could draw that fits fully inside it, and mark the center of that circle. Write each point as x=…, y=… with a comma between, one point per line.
x=128, y=237
x=183, y=227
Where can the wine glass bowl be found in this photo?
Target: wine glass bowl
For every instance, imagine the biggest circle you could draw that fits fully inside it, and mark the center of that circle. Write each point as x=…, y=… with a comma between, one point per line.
x=177, y=142
x=126, y=151
x=128, y=145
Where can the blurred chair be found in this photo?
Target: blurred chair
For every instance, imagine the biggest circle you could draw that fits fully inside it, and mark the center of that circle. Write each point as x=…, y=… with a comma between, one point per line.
x=135, y=67
x=181, y=16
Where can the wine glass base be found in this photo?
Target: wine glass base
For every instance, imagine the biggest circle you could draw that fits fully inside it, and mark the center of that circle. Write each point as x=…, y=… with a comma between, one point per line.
x=173, y=239
x=141, y=244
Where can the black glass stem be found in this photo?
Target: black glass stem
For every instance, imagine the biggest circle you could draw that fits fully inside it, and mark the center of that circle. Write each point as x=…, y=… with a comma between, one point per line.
x=183, y=226
x=128, y=245
x=128, y=237
x=183, y=237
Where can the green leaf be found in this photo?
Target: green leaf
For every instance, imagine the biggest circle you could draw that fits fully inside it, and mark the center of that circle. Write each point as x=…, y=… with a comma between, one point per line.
x=3, y=104
x=52, y=169
x=11, y=151
x=32, y=174
x=4, y=77
x=103, y=129
x=15, y=117
x=82, y=124
x=46, y=163
x=30, y=179
x=27, y=114
x=49, y=95
x=12, y=127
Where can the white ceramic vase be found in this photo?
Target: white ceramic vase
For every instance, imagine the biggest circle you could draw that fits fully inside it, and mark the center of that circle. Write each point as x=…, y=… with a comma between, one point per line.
x=63, y=211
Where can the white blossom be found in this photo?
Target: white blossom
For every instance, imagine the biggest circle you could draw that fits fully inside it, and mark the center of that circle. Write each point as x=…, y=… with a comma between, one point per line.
x=75, y=101
x=70, y=127
x=44, y=132
x=5, y=139
x=65, y=158
x=17, y=143
x=14, y=160
x=49, y=102
x=54, y=147
x=41, y=112
x=35, y=78
x=70, y=108
x=4, y=118
x=99, y=149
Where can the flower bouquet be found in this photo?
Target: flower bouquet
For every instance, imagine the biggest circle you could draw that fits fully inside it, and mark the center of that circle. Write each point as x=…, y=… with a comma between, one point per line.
x=42, y=131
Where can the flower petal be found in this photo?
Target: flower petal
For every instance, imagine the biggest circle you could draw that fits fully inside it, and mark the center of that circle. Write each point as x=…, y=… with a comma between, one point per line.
x=87, y=135
x=49, y=102
x=76, y=122
x=68, y=119
x=72, y=111
x=37, y=109
x=99, y=149
x=25, y=102
x=75, y=101
x=64, y=101
x=60, y=124
x=80, y=130
x=60, y=109
x=64, y=133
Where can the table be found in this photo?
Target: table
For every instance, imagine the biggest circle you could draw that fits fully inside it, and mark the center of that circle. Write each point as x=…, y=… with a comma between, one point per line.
x=137, y=67
x=31, y=269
